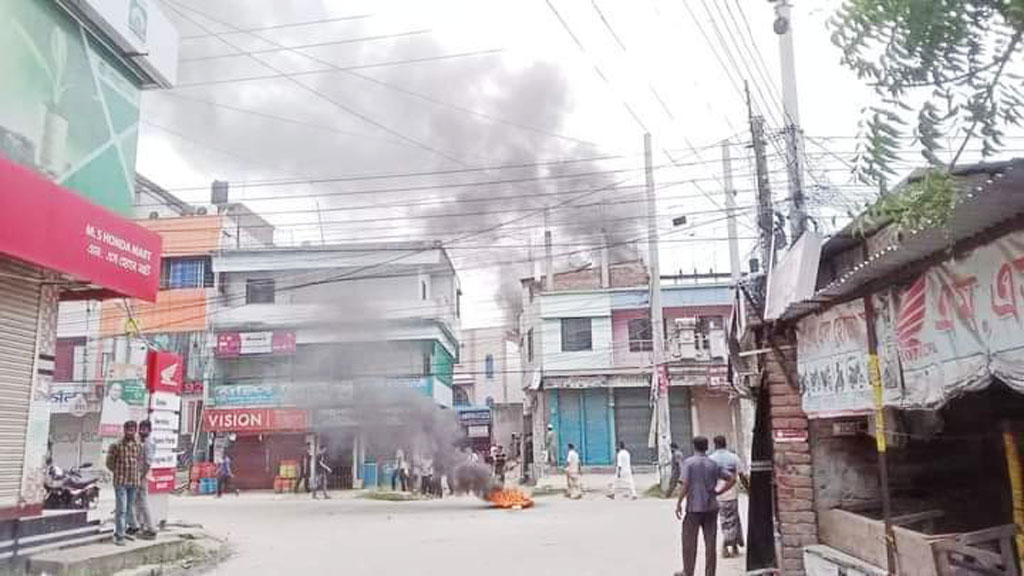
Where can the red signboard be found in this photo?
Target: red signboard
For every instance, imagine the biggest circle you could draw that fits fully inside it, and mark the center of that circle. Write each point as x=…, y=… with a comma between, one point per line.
x=255, y=420
x=55, y=228
x=230, y=344
x=163, y=372
x=161, y=480
x=192, y=388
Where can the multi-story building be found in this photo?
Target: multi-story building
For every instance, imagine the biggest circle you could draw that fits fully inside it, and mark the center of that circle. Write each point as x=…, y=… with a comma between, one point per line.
x=95, y=339
x=302, y=332
x=69, y=123
x=488, y=387
x=587, y=347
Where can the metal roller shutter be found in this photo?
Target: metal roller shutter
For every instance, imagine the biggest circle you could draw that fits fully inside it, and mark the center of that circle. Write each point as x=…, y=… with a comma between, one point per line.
x=680, y=418
x=19, y=320
x=633, y=423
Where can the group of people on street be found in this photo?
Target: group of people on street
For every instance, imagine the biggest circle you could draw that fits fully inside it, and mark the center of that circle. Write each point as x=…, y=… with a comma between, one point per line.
x=425, y=475
x=129, y=461
x=708, y=486
x=314, y=471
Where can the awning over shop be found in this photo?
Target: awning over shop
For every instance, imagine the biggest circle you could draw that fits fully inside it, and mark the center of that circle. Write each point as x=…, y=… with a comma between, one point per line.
x=44, y=224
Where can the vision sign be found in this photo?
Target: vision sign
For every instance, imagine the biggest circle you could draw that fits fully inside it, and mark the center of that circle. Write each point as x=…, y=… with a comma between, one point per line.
x=255, y=420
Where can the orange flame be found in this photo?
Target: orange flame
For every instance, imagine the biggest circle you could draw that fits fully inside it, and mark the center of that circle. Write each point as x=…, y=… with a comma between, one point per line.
x=510, y=499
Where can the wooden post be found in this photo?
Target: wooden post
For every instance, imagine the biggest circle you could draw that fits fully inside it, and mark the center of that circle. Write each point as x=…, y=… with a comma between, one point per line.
x=1013, y=467
x=875, y=377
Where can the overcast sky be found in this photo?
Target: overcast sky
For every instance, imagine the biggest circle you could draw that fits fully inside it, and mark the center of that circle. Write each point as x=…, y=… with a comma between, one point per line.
x=496, y=83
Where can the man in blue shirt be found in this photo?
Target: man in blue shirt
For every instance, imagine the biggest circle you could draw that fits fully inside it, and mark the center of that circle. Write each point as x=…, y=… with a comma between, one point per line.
x=699, y=480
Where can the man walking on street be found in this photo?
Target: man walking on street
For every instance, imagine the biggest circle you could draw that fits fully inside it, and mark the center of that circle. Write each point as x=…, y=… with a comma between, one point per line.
x=699, y=478
x=572, y=474
x=550, y=450
x=123, y=463
x=140, y=520
x=623, y=474
x=320, y=471
x=728, y=501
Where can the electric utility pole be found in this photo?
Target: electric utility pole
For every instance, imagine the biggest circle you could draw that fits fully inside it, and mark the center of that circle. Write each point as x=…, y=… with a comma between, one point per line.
x=765, y=215
x=659, y=384
x=791, y=112
x=730, y=210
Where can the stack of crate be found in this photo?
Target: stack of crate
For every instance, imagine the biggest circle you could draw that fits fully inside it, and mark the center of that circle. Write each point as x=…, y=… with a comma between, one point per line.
x=287, y=475
x=203, y=478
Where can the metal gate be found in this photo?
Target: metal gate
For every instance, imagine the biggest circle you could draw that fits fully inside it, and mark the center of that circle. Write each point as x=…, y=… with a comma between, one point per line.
x=582, y=419
x=633, y=423
x=19, y=323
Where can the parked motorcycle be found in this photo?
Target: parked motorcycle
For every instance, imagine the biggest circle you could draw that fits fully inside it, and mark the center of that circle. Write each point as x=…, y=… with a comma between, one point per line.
x=70, y=489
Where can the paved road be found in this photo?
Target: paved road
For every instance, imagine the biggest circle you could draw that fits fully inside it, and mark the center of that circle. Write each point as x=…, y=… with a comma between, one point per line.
x=294, y=535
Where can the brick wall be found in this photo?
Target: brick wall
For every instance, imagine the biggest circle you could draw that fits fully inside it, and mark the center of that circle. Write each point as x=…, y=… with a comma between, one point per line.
x=794, y=475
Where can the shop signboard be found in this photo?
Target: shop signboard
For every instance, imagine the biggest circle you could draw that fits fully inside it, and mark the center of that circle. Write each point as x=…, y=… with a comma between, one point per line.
x=226, y=395
x=949, y=331
x=161, y=480
x=233, y=344
x=164, y=420
x=165, y=401
x=478, y=431
x=192, y=388
x=475, y=416
x=255, y=420
x=71, y=398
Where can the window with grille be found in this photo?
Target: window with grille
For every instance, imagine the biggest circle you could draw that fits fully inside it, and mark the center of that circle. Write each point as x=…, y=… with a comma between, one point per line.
x=185, y=273
x=576, y=335
x=259, y=291
x=641, y=338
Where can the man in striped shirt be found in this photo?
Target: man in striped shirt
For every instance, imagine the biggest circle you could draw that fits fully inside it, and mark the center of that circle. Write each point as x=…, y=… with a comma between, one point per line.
x=123, y=463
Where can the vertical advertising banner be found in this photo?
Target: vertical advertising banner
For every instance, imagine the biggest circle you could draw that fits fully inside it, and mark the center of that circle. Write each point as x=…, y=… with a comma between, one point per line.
x=163, y=378
x=124, y=398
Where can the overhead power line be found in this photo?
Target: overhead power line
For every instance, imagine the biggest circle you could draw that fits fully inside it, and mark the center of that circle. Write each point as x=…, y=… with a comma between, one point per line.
x=341, y=42
x=281, y=26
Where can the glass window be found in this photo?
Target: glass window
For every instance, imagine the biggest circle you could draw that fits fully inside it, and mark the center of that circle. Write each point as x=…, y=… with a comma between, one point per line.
x=489, y=366
x=640, y=337
x=259, y=291
x=576, y=336
x=185, y=273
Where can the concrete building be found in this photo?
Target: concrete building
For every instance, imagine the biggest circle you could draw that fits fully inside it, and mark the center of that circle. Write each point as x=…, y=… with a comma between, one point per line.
x=488, y=386
x=586, y=349
x=97, y=341
x=301, y=333
x=69, y=122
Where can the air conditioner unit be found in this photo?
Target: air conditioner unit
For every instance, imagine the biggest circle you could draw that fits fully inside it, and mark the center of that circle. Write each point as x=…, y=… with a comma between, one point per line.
x=701, y=355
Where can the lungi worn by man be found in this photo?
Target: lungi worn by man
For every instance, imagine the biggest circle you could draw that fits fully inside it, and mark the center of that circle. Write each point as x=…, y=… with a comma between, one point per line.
x=728, y=501
x=699, y=478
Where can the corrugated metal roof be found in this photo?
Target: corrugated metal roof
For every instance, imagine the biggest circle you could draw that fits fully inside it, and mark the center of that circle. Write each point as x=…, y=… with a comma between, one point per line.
x=993, y=195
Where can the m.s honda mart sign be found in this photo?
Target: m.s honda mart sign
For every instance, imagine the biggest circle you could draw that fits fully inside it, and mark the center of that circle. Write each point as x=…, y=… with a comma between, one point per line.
x=49, y=226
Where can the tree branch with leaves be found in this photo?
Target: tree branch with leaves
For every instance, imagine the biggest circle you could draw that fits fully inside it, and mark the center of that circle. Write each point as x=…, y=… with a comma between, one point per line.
x=941, y=69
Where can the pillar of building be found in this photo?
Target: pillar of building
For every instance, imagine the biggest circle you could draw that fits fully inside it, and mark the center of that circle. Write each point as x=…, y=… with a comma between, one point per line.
x=794, y=481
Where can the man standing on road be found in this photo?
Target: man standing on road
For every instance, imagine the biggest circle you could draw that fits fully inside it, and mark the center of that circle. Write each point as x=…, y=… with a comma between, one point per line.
x=699, y=477
x=140, y=520
x=401, y=473
x=224, y=474
x=728, y=501
x=572, y=474
x=550, y=450
x=677, y=468
x=623, y=474
x=123, y=463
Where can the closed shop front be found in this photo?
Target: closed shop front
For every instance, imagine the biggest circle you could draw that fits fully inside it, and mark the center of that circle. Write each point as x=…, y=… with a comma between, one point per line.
x=633, y=422
x=19, y=322
x=580, y=417
x=680, y=417
x=256, y=458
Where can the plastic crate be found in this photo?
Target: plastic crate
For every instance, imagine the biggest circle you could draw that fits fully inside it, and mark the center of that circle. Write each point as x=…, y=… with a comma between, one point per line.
x=208, y=486
x=288, y=469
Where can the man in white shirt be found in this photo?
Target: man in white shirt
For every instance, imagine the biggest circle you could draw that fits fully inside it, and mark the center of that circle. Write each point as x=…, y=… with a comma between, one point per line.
x=572, y=474
x=623, y=474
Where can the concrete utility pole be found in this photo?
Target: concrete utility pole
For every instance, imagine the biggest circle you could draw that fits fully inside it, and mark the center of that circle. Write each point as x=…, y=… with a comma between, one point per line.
x=791, y=110
x=765, y=216
x=659, y=387
x=730, y=210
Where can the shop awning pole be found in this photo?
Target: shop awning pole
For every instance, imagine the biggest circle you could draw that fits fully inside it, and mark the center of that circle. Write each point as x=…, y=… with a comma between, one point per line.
x=1013, y=467
x=875, y=377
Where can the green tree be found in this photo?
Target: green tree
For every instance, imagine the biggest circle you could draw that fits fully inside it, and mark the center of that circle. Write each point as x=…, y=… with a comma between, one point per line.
x=941, y=69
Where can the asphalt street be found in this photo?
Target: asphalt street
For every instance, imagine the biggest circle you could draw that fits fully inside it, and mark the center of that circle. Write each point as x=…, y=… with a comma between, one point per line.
x=293, y=534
